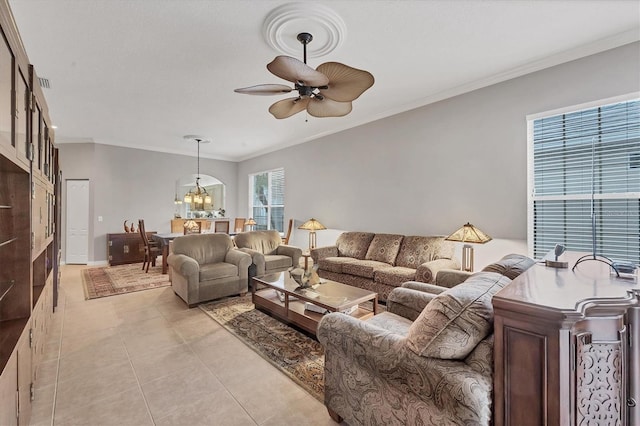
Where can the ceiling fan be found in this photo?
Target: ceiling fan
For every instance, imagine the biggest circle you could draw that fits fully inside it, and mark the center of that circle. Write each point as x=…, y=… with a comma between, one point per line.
x=324, y=92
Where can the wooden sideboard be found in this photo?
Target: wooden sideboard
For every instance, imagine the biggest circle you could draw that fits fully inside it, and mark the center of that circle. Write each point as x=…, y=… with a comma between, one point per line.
x=177, y=225
x=125, y=248
x=567, y=347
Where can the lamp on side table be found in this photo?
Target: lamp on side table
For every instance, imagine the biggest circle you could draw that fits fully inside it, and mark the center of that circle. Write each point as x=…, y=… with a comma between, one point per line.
x=468, y=234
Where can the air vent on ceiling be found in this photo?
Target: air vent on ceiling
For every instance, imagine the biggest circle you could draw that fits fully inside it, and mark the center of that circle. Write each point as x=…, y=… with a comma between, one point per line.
x=44, y=83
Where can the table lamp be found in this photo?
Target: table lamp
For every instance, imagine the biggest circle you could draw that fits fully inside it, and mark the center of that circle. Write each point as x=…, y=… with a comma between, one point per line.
x=312, y=226
x=468, y=234
x=250, y=223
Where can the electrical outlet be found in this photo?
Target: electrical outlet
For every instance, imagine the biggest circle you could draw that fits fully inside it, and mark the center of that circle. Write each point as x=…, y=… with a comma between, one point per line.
x=99, y=218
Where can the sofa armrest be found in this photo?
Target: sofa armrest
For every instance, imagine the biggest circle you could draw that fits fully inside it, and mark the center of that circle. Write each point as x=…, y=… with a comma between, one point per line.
x=322, y=252
x=241, y=260
x=184, y=265
x=408, y=302
x=427, y=272
x=451, y=277
x=295, y=253
x=424, y=287
x=361, y=355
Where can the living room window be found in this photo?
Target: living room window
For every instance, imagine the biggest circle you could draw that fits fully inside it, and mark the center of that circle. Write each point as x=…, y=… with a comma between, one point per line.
x=576, y=156
x=266, y=198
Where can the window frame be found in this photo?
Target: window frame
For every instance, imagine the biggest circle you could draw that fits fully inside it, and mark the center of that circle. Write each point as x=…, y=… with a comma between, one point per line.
x=270, y=206
x=531, y=196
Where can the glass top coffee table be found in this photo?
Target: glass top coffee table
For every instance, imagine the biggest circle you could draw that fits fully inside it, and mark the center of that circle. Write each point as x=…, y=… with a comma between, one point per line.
x=283, y=299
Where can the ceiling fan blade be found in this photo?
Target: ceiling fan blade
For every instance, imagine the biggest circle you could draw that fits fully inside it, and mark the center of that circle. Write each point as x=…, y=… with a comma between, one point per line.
x=288, y=107
x=328, y=108
x=296, y=71
x=265, y=89
x=345, y=83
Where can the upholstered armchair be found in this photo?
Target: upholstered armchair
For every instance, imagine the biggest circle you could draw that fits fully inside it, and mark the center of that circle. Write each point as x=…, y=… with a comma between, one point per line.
x=267, y=251
x=206, y=266
x=433, y=368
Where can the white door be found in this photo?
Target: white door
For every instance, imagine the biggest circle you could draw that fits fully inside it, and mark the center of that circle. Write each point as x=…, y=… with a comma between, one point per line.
x=77, y=241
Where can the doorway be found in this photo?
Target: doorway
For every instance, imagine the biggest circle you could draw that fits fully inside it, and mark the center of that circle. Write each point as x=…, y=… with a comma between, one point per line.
x=77, y=222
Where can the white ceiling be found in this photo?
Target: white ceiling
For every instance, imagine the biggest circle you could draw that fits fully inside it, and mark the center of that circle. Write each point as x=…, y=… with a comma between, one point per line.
x=143, y=73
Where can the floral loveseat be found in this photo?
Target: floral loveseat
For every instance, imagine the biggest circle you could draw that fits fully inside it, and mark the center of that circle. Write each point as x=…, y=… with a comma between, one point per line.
x=428, y=360
x=382, y=262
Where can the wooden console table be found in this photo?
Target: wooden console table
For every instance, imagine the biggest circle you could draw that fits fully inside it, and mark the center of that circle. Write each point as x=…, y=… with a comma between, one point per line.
x=563, y=347
x=125, y=248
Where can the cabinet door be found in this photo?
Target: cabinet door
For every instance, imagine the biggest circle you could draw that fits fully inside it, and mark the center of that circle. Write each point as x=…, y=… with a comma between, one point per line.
x=24, y=378
x=21, y=122
x=8, y=394
x=6, y=97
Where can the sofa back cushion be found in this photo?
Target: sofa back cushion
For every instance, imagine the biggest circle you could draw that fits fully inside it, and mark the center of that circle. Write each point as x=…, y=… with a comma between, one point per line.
x=204, y=248
x=354, y=244
x=455, y=321
x=265, y=242
x=414, y=251
x=384, y=248
x=511, y=265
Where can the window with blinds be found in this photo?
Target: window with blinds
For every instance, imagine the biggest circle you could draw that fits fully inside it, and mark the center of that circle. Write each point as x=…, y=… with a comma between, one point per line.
x=266, y=193
x=582, y=162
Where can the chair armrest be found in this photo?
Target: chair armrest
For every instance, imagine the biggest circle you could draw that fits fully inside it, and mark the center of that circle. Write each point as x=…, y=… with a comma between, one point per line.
x=427, y=272
x=451, y=277
x=322, y=252
x=295, y=253
x=241, y=260
x=408, y=302
x=359, y=355
x=183, y=265
x=257, y=259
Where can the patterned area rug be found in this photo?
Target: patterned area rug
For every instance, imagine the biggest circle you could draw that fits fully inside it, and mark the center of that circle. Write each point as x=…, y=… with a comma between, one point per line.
x=121, y=279
x=299, y=356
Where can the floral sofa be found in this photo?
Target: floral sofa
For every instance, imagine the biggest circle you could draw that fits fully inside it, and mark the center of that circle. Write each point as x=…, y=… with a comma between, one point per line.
x=382, y=262
x=428, y=360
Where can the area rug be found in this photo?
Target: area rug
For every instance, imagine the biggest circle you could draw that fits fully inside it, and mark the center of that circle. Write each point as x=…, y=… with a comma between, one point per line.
x=297, y=355
x=121, y=279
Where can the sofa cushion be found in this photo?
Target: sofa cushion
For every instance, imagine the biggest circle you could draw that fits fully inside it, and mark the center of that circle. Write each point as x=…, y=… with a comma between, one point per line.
x=395, y=275
x=354, y=244
x=277, y=261
x=391, y=322
x=363, y=268
x=511, y=265
x=384, y=248
x=333, y=264
x=215, y=271
x=455, y=321
x=416, y=250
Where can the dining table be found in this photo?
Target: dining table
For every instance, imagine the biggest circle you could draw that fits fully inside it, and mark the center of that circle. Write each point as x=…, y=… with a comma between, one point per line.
x=163, y=241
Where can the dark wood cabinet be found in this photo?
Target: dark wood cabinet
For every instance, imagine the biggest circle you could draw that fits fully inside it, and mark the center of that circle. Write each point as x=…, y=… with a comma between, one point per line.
x=566, y=347
x=125, y=248
x=29, y=220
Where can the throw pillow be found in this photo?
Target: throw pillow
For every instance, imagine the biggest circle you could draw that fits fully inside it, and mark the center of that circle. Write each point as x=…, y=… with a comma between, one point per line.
x=354, y=244
x=384, y=248
x=455, y=321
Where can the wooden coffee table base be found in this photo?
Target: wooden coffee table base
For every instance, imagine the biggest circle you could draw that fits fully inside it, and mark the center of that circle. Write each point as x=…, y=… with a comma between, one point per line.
x=291, y=310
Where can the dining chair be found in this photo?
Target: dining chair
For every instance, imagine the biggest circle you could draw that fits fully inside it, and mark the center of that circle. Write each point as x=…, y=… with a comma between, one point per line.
x=238, y=225
x=151, y=250
x=285, y=239
x=221, y=226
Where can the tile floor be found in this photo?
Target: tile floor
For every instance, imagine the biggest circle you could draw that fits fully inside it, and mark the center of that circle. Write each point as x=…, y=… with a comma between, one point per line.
x=145, y=359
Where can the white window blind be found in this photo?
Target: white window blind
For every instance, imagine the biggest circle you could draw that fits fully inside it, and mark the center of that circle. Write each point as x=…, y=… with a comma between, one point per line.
x=577, y=156
x=267, y=199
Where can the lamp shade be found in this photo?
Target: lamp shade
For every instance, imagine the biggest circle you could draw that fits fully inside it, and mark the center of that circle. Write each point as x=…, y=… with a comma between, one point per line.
x=312, y=225
x=469, y=234
x=250, y=221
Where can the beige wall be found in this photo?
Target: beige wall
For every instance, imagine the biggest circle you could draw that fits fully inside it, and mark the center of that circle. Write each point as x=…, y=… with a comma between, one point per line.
x=430, y=170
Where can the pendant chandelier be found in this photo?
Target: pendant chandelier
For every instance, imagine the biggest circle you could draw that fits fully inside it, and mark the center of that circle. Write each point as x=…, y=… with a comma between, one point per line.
x=197, y=196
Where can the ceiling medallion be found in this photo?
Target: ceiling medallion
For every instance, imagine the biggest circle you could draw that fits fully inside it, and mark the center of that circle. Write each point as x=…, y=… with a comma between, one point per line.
x=285, y=22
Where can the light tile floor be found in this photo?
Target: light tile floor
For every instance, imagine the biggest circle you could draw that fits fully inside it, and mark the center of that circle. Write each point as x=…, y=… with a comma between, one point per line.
x=144, y=358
